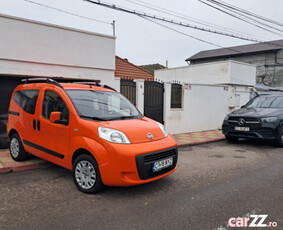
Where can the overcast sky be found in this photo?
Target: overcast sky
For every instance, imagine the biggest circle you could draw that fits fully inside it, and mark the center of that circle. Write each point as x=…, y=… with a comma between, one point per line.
x=143, y=42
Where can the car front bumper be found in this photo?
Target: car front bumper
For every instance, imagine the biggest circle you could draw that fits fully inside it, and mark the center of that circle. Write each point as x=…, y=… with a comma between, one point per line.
x=268, y=131
x=131, y=164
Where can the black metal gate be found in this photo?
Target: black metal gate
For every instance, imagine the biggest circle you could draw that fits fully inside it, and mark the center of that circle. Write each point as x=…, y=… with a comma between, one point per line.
x=128, y=89
x=153, y=100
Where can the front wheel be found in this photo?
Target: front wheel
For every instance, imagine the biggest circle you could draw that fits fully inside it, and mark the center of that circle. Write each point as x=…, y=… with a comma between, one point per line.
x=279, y=140
x=86, y=174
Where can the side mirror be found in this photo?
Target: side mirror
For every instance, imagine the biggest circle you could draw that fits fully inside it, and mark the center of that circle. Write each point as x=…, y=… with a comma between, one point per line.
x=55, y=116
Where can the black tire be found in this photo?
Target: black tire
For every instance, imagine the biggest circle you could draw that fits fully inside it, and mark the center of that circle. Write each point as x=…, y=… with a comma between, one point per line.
x=279, y=140
x=86, y=174
x=17, y=150
x=231, y=139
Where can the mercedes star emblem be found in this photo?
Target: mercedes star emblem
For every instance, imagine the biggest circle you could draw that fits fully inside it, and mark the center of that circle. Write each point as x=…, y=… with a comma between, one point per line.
x=241, y=121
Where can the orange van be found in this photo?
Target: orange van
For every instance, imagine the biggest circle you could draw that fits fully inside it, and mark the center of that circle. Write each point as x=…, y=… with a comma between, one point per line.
x=90, y=129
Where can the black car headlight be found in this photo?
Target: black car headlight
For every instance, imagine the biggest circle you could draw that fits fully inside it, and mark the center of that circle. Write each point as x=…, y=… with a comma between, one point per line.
x=269, y=119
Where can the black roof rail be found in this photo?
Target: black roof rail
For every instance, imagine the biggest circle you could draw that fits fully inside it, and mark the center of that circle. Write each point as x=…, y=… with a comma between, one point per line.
x=56, y=82
x=39, y=80
x=96, y=84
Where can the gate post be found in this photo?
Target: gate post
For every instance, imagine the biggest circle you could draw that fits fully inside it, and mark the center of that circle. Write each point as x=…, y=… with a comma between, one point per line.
x=167, y=102
x=140, y=95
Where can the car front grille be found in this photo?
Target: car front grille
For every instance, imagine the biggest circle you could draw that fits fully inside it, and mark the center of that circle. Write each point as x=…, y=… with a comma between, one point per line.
x=145, y=162
x=251, y=122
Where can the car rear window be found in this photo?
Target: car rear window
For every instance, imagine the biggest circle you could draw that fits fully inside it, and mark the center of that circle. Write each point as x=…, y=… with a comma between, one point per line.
x=26, y=99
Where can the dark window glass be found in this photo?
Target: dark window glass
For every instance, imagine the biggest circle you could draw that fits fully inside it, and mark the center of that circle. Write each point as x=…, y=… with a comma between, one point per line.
x=266, y=102
x=52, y=102
x=102, y=105
x=176, y=95
x=26, y=99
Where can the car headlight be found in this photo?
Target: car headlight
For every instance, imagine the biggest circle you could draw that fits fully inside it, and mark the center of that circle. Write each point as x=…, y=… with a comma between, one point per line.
x=226, y=118
x=162, y=129
x=113, y=135
x=269, y=119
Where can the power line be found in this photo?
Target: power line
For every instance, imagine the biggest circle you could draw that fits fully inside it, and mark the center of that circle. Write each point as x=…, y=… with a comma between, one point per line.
x=66, y=12
x=254, y=21
x=196, y=38
x=247, y=12
x=182, y=16
x=234, y=10
x=154, y=17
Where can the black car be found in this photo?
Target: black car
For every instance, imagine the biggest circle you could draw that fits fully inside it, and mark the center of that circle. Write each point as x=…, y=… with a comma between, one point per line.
x=260, y=118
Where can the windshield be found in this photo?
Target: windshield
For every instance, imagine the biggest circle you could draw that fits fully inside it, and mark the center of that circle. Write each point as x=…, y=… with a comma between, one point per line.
x=266, y=102
x=102, y=105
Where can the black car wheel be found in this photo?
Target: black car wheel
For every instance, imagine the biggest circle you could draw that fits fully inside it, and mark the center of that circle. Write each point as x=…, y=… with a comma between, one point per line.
x=16, y=149
x=279, y=140
x=231, y=139
x=86, y=174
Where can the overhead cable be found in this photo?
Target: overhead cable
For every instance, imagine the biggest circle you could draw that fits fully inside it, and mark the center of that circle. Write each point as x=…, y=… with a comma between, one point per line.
x=66, y=12
x=247, y=12
x=185, y=17
x=154, y=17
x=252, y=21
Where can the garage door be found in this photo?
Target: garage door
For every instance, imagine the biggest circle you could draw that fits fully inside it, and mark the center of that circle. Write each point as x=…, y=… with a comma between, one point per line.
x=7, y=85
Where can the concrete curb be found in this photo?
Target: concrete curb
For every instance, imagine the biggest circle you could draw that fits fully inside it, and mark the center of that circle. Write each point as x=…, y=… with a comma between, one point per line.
x=23, y=168
x=201, y=142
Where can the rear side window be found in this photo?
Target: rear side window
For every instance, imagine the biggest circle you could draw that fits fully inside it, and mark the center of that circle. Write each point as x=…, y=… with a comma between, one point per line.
x=26, y=99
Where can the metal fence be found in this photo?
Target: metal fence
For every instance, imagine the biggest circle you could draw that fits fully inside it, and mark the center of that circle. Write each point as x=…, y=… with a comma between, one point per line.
x=128, y=89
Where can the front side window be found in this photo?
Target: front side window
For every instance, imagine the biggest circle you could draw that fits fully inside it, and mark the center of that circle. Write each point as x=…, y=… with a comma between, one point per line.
x=52, y=102
x=26, y=99
x=102, y=105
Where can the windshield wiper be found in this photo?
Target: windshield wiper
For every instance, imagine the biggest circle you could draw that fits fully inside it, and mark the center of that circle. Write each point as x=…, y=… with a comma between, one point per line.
x=94, y=118
x=122, y=118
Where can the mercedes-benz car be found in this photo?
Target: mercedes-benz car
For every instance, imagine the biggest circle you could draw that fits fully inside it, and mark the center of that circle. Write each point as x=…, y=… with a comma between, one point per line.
x=260, y=118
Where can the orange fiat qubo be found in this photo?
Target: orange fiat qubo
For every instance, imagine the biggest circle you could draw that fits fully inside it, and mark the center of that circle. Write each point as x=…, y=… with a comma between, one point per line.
x=90, y=129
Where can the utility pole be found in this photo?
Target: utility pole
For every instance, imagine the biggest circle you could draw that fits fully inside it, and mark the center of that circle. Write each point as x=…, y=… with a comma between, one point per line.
x=113, y=24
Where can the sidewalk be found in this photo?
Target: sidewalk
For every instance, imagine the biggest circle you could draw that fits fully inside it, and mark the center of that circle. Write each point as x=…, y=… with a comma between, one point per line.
x=7, y=164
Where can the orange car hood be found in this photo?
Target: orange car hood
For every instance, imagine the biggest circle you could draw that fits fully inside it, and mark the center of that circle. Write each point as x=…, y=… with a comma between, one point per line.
x=137, y=130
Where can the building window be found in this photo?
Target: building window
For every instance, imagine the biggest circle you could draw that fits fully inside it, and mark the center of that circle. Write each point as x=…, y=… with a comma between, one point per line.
x=176, y=95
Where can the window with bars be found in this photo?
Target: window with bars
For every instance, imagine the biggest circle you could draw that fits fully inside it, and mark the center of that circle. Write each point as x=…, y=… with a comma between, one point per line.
x=176, y=95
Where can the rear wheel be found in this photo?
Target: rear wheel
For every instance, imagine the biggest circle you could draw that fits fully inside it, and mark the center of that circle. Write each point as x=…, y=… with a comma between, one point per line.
x=279, y=140
x=16, y=148
x=231, y=139
x=86, y=174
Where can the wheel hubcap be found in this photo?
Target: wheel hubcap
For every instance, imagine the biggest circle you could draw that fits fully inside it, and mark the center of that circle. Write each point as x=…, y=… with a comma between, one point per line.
x=14, y=147
x=85, y=174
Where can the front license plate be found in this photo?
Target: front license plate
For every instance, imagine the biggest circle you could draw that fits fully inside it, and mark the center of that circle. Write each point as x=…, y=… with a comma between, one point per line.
x=158, y=165
x=245, y=129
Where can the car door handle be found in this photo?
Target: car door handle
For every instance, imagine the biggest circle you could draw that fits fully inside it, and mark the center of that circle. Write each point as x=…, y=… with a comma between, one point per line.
x=38, y=125
x=34, y=124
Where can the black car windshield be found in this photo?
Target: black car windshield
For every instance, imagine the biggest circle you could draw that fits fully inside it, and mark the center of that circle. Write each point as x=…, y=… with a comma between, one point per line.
x=266, y=102
x=102, y=105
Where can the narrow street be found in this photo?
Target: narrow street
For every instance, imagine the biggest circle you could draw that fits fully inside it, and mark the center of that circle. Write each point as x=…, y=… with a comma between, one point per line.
x=213, y=183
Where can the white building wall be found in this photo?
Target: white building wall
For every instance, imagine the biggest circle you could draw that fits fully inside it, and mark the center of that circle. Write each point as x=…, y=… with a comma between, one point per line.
x=224, y=72
x=38, y=49
x=204, y=107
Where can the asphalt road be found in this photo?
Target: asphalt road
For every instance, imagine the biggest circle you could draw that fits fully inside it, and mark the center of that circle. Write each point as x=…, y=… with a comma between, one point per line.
x=213, y=183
